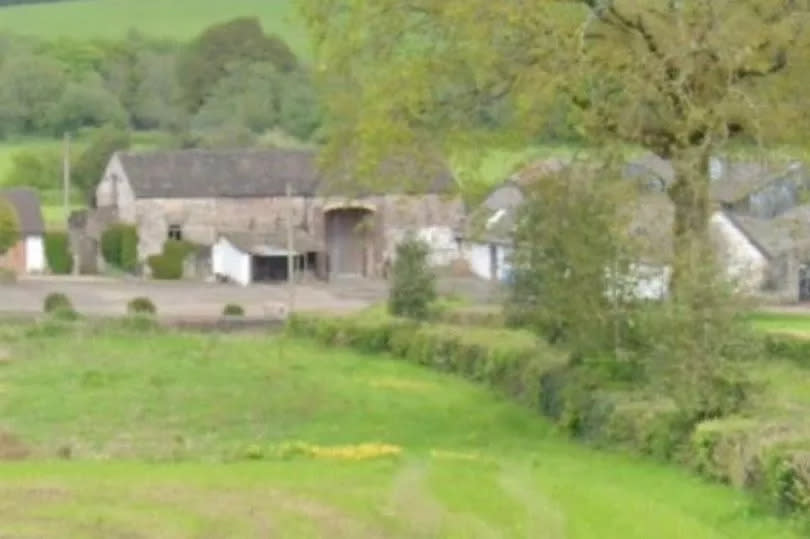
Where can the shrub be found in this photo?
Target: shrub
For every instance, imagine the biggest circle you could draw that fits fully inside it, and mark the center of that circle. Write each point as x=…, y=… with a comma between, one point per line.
x=9, y=226
x=413, y=286
x=233, y=309
x=57, y=252
x=56, y=301
x=119, y=246
x=169, y=264
x=141, y=306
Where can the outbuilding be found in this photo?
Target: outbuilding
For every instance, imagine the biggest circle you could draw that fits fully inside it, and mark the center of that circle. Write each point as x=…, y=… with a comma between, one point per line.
x=27, y=256
x=247, y=258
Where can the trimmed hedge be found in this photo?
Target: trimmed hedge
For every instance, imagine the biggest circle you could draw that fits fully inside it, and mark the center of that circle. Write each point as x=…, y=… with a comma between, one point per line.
x=169, y=264
x=517, y=365
x=768, y=457
x=141, y=306
x=795, y=349
x=232, y=309
x=57, y=252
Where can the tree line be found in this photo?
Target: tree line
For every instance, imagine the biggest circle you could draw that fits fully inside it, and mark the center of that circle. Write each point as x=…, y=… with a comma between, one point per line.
x=225, y=88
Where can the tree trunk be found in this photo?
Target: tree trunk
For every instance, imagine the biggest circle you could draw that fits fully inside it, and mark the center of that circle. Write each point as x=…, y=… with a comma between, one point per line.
x=689, y=193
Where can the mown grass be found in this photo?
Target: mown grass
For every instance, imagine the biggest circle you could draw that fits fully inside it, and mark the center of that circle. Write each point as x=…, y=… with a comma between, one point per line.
x=177, y=433
x=796, y=324
x=177, y=19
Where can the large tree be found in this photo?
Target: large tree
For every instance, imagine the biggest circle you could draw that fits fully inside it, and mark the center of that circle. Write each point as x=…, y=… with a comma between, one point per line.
x=679, y=78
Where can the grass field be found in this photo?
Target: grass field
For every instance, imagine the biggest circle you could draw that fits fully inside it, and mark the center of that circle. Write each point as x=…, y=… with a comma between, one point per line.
x=788, y=323
x=177, y=19
x=189, y=435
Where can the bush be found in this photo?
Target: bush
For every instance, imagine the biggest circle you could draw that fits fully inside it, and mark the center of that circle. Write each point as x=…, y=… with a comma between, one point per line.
x=119, y=246
x=169, y=264
x=795, y=349
x=9, y=226
x=233, y=309
x=141, y=306
x=57, y=252
x=56, y=301
x=413, y=286
x=511, y=361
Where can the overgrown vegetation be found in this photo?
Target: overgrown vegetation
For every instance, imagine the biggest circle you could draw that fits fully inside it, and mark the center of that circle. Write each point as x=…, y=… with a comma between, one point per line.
x=119, y=246
x=413, y=283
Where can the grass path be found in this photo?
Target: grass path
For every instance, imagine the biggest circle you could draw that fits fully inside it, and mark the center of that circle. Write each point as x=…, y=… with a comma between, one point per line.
x=162, y=431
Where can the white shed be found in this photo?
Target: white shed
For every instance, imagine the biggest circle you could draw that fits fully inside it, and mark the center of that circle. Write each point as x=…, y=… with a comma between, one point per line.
x=246, y=258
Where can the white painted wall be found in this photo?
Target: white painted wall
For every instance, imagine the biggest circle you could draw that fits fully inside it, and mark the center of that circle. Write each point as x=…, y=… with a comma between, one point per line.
x=34, y=254
x=228, y=261
x=745, y=264
x=441, y=241
x=478, y=257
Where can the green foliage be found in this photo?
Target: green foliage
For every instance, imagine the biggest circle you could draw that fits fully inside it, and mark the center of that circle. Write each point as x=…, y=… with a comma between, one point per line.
x=141, y=306
x=57, y=252
x=30, y=85
x=86, y=103
x=40, y=169
x=233, y=309
x=56, y=301
x=9, y=226
x=413, y=284
x=169, y=264
x=119, y=246
x=571, y=248
x=206, y=61
x=89, y=168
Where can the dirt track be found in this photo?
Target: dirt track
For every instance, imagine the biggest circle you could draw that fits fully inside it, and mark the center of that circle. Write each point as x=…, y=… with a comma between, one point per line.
x=108, y=297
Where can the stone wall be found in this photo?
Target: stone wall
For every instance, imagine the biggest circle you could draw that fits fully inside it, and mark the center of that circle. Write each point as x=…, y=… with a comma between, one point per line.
x=202, y=218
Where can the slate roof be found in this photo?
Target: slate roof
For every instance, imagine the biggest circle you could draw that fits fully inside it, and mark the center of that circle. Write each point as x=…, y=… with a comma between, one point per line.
x=775, y=236
x=29, y=212
x=737, y=180
x=273, y=243
x=236, y=173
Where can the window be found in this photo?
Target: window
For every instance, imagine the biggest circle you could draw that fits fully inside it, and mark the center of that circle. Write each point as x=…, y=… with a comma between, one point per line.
x=175, y=232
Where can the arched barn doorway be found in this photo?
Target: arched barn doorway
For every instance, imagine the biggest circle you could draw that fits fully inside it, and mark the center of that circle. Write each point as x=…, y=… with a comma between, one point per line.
x=348, y=241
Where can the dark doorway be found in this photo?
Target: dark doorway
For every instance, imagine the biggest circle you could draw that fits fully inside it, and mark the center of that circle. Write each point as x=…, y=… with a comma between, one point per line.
x=269, y=268
x=804, y=283
x=347, y=241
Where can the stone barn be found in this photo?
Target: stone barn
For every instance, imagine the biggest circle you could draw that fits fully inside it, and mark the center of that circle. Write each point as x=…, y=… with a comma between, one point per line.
x=239, y=198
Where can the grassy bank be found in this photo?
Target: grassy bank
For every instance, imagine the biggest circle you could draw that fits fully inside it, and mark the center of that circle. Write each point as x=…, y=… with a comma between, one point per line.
x=178, y=19
x=216, y=417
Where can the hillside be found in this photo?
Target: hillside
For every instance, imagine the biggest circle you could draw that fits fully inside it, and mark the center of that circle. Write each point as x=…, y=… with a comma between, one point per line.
x=177, y=19
x=259, y=437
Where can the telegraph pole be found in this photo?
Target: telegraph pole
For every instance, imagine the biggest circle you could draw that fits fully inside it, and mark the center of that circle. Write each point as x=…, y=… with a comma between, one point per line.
x=66, y=178
x=290, y=252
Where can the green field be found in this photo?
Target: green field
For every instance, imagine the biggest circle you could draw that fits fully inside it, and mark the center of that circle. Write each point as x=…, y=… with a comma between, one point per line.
x=177, y=19
x=787, y=323
x=191, y=436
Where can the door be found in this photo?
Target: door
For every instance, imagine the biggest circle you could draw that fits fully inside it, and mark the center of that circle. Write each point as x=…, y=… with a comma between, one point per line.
x=804, y=283
x=346, y=242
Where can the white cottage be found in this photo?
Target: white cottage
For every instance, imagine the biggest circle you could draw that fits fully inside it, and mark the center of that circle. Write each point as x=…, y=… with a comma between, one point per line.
x=28, y=255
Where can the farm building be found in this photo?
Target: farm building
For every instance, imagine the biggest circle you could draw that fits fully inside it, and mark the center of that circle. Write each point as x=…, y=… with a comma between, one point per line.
x=761, y=232
x=237, y=201
x=28, y=255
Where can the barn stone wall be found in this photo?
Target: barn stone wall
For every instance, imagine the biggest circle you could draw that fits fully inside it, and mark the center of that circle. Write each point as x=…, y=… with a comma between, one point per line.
x=202, y=218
